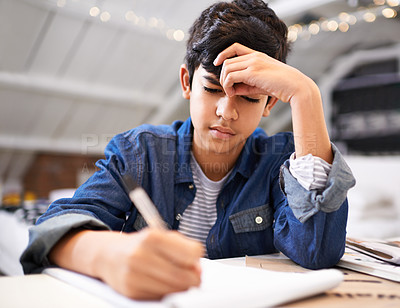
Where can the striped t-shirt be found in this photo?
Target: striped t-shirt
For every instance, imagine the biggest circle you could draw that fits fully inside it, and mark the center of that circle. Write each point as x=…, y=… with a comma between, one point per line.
x=200, y=216
x=310, y=171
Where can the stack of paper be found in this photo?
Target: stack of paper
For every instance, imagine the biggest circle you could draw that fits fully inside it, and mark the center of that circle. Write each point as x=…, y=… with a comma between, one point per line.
x=375, y=257
x=388, y=251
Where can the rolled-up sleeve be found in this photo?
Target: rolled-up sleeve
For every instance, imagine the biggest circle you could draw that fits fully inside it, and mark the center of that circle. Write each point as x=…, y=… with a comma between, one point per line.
x=44, y=236
x=306, y=203
x=101, y=203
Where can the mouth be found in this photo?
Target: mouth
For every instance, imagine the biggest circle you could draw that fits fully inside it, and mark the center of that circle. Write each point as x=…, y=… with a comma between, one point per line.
x=222, y=132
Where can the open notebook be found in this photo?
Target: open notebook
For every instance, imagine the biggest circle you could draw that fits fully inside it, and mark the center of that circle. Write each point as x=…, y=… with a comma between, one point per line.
x=222, y=286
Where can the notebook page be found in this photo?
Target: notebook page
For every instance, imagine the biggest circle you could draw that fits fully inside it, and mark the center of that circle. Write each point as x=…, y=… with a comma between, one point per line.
x=231, y=286
x=222, y=286
x=99, y=288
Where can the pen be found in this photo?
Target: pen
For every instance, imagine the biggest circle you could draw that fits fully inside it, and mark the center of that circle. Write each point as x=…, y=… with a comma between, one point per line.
x=147, y=208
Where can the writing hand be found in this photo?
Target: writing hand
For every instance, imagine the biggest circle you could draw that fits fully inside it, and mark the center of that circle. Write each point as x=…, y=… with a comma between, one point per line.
x=152, y=263
x=142, y=265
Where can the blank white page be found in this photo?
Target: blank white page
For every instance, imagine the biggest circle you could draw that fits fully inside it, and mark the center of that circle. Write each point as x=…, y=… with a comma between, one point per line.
x=222, y=286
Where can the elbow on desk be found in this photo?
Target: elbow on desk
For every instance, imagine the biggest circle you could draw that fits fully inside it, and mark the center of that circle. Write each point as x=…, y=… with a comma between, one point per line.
x=321, y=259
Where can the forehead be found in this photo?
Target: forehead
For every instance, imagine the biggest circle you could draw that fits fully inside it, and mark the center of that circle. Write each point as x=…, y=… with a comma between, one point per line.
x=206, y=76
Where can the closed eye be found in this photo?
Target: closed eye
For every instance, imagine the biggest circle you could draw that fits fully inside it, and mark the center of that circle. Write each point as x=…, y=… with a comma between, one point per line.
x=250, y=100
x=212, y=90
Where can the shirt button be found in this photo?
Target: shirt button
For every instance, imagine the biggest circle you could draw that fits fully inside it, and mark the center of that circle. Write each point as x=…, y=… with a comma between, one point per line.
x=178, y=217
x=259, y=220
x=191, y=186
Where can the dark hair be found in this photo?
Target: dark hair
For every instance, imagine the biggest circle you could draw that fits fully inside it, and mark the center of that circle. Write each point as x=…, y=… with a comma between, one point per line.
x=248, y=22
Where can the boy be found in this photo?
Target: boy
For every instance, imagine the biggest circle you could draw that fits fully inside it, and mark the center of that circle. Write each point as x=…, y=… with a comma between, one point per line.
x=223, y=187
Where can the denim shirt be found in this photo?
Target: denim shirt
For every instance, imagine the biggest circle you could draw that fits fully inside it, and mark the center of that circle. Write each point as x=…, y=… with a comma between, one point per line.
x=261, y=208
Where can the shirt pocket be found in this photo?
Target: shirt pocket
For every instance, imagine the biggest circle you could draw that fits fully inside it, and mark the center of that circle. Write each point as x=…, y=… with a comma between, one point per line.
x=254, y=219
x=253, y=231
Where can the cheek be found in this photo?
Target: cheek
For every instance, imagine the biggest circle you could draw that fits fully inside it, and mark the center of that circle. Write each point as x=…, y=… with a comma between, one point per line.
x=201, y=107
x=251, y=117
x=199, y=114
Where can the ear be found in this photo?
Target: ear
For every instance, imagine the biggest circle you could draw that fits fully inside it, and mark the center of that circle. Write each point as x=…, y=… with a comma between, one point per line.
x=185, y=84
x=271, y=103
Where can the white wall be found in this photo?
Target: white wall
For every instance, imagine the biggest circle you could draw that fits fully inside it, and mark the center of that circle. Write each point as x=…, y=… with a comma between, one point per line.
x=374, y=203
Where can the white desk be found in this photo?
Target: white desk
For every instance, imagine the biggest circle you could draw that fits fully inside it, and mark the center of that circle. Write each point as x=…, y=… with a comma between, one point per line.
x=43, y=291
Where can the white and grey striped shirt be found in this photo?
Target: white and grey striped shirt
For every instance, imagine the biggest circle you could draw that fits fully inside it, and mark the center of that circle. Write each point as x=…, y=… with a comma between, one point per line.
x=310, y=171
x=199, y=217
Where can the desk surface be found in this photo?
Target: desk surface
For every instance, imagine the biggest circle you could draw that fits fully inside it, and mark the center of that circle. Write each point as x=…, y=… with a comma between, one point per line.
x=357, y=290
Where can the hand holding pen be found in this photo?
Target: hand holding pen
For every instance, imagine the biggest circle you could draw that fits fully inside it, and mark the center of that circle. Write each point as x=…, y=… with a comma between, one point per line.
x=147, y=264
x=146, y=207
x=183, y=258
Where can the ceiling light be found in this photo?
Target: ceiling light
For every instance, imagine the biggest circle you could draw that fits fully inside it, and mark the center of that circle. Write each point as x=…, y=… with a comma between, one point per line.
x=94, y=11
x=130, y=16
x=369, y=17
x=352, y=20
x=332, y=25
x=292, y=36
x=170, y=34
x=105, y=16
x=179, y=35
x=389, y=13
x=61, y=3
x=344, y=16
x=393, y=2
x=313, y=28
x=344, y=26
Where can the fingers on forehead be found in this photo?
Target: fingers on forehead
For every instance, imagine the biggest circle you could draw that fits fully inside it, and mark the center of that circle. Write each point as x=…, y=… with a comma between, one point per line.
x=235, y=49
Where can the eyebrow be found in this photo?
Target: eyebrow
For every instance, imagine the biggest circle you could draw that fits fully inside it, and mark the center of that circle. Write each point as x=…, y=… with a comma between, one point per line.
x=212, y=80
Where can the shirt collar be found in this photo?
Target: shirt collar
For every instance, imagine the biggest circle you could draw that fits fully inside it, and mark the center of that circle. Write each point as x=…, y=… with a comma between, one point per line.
x=184, y=146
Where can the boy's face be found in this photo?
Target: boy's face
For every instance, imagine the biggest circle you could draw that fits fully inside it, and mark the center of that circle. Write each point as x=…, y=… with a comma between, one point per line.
x=221, y=123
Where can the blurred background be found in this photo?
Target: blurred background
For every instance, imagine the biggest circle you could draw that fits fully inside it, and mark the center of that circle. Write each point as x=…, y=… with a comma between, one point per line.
x=73, y=73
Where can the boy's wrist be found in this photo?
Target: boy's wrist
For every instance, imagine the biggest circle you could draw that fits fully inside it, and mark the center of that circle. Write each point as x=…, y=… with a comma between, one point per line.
x=307, y=92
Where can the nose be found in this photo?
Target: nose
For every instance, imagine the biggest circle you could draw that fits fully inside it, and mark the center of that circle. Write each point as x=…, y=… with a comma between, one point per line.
x=226, y=109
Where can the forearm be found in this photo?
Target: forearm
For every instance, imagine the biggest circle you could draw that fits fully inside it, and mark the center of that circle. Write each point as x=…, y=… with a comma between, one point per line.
x=310, y=225
x=79, y=251
x=309, y=128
